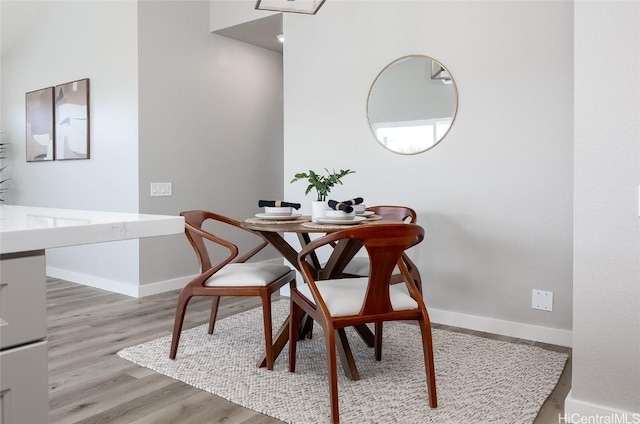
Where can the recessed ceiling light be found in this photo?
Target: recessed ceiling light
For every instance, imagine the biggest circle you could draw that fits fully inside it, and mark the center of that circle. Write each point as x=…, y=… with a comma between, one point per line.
x=280, y=38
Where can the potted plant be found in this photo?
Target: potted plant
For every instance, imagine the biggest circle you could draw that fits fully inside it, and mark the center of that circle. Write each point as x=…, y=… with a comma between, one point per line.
x=323, y=185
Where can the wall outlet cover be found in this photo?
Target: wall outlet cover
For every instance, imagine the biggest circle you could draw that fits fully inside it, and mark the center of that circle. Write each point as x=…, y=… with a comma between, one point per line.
x=542, y=300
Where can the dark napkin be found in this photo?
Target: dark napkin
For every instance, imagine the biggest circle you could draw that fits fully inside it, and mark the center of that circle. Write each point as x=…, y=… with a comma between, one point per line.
x=340, y=206
x=355, y=201
x=277, y=204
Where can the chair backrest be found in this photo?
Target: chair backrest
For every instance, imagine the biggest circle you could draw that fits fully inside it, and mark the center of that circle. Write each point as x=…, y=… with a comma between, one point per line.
x=194, y=221
x=395, y=213
x=385, y=244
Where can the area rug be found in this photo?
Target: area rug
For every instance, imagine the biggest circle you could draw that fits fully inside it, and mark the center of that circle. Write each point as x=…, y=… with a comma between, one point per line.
x=478, y=380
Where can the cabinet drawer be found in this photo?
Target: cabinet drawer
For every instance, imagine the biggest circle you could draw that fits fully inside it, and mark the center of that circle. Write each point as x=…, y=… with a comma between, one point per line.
x=23, y=300
x=24, y=385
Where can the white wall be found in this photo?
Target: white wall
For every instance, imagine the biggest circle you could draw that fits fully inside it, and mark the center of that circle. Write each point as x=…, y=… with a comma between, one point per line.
x=495, y=196
x=606, y=332
x=76, y=40
x=210, y=123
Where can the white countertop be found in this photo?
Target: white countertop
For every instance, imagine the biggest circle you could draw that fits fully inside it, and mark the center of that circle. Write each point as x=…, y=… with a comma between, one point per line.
x=27, y=228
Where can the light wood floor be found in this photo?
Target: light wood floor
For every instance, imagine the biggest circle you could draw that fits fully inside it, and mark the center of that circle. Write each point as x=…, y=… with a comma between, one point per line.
x=88, y=383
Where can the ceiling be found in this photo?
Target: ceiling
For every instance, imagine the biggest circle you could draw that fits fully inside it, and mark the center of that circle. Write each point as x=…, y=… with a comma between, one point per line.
x=260, y=32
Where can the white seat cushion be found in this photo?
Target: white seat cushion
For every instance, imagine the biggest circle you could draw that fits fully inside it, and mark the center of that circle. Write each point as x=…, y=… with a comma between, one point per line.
x=345, y=297
x=360, y=266
x=247, y=274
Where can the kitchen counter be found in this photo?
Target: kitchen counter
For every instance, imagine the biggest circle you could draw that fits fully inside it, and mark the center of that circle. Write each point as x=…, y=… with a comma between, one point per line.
x=25, y=233
x=26, y=228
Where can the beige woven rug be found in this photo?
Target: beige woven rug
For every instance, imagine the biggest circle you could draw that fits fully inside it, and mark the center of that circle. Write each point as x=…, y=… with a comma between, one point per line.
x=479, y=380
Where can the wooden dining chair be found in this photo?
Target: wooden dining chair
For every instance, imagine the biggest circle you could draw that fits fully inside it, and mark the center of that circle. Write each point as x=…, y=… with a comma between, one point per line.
x=231, y=275
x=346, y=302
x=359, y=265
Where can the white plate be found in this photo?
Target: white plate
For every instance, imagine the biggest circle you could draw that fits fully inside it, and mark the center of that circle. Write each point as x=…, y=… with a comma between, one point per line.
x=355, y=220
x=365, y=213
x=278, y=217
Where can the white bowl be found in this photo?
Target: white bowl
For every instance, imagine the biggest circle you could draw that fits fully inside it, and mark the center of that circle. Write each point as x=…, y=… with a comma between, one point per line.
x=333, y=214
x=359, y=208
x=281, y=211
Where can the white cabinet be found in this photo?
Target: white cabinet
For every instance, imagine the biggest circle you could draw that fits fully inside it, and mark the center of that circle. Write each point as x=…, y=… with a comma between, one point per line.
x=23, y=348
x=23, y=300
x=24, y=385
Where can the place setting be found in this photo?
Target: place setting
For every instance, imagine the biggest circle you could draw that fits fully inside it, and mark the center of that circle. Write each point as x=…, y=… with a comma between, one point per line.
x=341, y=214
x=277, y=212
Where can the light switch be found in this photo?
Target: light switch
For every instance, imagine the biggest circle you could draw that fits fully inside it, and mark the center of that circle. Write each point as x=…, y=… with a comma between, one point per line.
x=160, y=189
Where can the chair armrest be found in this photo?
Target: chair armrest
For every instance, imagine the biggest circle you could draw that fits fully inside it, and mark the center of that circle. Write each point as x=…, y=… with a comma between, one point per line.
x=256, y=249
x=237, y=224
x=198, y=244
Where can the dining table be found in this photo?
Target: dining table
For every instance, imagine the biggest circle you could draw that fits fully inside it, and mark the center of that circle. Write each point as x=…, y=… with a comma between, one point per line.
x=343, y=251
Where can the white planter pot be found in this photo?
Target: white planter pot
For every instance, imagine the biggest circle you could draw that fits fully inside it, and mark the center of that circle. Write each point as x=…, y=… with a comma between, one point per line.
x=317, y=209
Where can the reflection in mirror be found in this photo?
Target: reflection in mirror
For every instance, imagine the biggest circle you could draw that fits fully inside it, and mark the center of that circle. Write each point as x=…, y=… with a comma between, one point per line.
x=412, y=104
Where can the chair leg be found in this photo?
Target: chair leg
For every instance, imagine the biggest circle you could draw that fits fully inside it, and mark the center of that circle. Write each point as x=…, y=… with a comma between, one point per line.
x=330, y=335
x=214, y=313
x=294, y=319
x=378, y=340
x=183, y=300
x=268, y=335
x=427, y=347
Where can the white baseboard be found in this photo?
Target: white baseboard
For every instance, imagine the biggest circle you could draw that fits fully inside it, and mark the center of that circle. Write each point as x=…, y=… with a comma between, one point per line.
x=536, y=333
x=93, y=281
x=118, y=286
x=577, y=411
x=163, y=286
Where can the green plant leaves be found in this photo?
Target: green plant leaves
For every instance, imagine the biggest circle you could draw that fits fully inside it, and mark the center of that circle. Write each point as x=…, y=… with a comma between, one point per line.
x=321, y=183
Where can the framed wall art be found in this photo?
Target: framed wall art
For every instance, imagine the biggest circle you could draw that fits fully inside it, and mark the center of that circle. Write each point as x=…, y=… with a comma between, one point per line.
x=40, y=125
x=72, y=120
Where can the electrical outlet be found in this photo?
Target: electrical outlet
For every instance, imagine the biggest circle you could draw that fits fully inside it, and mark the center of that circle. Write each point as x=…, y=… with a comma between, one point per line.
x=542, y=300
x=160, y=189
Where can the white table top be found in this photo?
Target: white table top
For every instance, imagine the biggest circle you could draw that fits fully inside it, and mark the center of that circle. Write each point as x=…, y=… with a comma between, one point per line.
x=27, y=228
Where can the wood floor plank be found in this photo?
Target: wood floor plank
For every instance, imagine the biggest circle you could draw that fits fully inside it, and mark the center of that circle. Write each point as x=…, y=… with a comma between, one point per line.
x=185, y=406
x=86, y=376
x=91, y=404
x=90, y=384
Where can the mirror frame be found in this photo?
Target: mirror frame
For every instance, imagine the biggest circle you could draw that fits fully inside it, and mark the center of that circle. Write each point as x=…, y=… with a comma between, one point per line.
x=455, y=109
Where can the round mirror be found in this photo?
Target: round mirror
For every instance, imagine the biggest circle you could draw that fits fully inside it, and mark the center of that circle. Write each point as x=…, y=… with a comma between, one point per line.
x=412, y=104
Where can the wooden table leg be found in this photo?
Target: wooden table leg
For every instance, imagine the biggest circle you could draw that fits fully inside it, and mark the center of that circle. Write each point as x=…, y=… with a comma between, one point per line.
x=285, y=249
x=306, y=328
x=342, y=345
x=346, y=357
x=365, y=334
x=282, y=337
x=305, y=239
